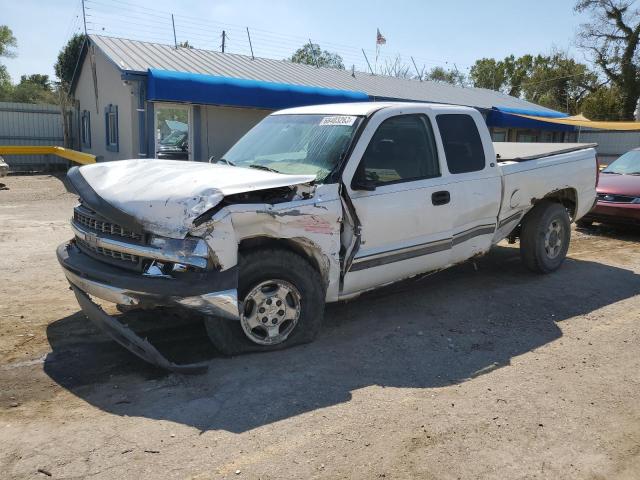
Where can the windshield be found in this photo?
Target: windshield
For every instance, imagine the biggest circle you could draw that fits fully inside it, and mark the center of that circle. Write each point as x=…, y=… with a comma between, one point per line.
x=627, y=164
x=295, y=144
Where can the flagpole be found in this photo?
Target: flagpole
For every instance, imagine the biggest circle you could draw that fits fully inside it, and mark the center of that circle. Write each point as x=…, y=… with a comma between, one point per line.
x=377, y=49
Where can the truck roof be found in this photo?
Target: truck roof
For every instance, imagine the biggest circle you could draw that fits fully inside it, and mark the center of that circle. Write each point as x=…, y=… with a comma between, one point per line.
x=356, y=108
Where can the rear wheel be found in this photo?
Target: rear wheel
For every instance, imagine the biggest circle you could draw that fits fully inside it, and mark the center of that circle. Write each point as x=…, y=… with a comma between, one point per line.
x=281, y=304
x=545, y=237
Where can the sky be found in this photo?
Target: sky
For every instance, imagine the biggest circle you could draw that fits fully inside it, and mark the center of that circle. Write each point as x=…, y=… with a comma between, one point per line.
x=447, y=33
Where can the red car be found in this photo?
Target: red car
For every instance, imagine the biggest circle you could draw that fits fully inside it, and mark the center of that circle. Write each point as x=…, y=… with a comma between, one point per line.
x=618, y=199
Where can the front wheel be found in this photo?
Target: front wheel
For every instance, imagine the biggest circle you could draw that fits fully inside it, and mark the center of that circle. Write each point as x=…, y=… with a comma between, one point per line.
x=281, y=304
x=545, y=237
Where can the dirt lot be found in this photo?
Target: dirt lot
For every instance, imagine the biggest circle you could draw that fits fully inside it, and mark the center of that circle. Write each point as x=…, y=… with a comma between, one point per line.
x=487, y=372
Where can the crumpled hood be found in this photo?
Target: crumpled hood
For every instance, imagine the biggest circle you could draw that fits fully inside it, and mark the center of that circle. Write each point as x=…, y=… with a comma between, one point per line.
x=166, y=196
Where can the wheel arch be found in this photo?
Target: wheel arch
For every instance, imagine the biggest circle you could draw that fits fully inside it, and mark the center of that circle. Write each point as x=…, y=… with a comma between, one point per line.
x=565, y=196
x=303, y=247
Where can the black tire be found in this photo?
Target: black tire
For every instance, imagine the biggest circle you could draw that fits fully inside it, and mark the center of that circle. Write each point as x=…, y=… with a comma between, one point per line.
x=257, y=267
x=536, y=256
x=584, y=223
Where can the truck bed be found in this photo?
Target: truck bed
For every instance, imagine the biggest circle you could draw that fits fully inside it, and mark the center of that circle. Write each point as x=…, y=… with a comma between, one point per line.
x=520, y=152
x=532, y=170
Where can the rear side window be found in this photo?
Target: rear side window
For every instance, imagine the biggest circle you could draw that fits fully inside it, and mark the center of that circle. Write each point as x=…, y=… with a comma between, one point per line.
x=462, y=143
x=402, y=149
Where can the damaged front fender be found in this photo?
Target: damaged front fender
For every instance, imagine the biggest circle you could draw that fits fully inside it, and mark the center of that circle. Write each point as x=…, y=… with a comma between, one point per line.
x=312, y=224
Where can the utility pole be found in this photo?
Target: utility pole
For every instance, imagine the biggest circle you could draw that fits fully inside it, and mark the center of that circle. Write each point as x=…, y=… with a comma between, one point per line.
x=224, y=39
x=175, y=39
x=84, y=19
x=365, y=57
x=250, y=45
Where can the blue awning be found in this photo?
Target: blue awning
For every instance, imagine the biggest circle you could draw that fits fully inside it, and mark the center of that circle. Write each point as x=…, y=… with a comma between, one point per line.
x=164, y=85
x=507, y=117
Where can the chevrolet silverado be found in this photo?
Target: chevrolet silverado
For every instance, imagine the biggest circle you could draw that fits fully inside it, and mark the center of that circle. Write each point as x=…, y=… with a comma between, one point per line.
x=313, y=205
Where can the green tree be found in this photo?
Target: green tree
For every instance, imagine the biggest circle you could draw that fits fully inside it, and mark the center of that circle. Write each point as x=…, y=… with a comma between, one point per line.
x=68, y=58
x=442, y=75
x=34, y=88
x=502, y=75
x=6, y=88
x=559, y=82
x=603, y=104
x=37, y=79
x=517, y=71
x=312, y=54
x=613, y=39
x=488, y=73
x=555, y=80
x=7, y=43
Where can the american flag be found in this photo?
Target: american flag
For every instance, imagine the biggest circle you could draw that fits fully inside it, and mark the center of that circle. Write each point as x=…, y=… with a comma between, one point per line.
x=380, y=40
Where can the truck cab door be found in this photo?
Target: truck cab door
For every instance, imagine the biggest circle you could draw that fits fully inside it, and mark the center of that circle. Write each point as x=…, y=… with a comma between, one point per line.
x=475, y=182
x=401, y=197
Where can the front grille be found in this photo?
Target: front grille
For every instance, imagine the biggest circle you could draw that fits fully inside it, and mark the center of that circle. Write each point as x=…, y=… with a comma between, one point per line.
x=91, y=220
x=126, y=257
x=608, y=197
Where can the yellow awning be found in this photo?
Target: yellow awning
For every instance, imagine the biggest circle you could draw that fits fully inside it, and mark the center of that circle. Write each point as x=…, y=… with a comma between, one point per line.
x=582, y=121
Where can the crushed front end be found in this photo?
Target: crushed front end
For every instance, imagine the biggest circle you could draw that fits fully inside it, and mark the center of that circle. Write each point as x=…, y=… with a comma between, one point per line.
x=132, y=268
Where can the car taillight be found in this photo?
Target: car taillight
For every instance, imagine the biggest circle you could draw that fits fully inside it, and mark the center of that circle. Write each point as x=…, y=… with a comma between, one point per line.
x=597, y=171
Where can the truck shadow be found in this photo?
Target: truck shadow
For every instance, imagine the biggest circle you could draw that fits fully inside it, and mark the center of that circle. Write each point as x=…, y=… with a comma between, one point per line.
x=444, y=329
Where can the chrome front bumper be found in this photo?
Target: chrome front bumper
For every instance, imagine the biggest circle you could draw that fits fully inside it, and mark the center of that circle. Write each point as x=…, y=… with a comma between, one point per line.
x=90, y=278
x=131, y=289
x=221, y=304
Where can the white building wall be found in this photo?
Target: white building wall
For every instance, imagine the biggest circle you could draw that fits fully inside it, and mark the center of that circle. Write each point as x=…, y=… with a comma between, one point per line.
x=611, y=144
x=111, y=90
x=221, y=127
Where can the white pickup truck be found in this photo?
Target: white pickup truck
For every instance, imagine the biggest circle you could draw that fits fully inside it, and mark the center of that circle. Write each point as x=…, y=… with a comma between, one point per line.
x=313, y=205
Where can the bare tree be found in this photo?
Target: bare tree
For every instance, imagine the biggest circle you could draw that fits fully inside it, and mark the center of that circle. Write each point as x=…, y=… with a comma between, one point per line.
x=613, y=38
x=396, y=68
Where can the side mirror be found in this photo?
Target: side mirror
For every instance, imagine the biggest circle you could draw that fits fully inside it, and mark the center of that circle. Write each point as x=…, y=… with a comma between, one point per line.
x=363, y=184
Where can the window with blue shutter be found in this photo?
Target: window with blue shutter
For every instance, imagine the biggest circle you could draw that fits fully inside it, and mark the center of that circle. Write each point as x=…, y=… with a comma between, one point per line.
x=85, y=128
x=111, y=127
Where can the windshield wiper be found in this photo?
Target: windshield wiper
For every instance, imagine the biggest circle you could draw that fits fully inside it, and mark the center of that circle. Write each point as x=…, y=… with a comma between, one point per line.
x=262, y=167
x=611, y=173
x=228, y=162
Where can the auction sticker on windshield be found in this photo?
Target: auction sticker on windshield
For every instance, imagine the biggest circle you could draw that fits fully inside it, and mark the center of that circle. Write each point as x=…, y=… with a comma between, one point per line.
x=347, y=120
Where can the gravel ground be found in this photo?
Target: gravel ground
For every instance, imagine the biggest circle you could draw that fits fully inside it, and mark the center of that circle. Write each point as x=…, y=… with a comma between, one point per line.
x=482, y=371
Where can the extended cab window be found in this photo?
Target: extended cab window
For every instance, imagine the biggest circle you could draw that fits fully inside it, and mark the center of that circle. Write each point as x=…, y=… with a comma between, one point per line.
x=402, y=149
x=462, y=143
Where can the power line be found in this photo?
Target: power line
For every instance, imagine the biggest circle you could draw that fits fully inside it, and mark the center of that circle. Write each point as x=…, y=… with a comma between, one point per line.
x=152, y=24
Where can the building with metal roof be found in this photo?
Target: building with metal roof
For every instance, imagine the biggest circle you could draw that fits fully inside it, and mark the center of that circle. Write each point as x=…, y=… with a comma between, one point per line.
x=129, y=91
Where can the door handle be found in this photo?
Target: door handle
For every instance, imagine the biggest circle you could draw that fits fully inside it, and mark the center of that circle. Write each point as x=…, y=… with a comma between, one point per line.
x=440, y=198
